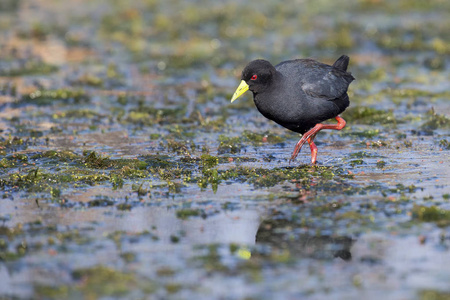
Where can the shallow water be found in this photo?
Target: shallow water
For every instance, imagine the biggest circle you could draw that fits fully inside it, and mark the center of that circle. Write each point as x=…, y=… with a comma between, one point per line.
x=126, y=173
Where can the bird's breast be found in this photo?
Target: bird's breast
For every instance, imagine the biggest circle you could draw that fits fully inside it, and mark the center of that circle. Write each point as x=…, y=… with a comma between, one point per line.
x=289, y=111
x=280, y=108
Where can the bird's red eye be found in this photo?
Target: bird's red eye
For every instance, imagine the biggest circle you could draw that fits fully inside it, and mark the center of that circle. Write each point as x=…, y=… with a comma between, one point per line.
x=254, y=77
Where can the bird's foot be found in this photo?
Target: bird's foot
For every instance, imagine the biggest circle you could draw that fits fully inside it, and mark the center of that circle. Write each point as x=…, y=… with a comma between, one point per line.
x=297, y=148
x=307, y=137
x=310, y=135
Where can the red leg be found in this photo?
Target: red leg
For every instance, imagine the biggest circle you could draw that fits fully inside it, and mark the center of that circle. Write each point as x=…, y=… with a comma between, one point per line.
x=310, y=133
x=313, y=148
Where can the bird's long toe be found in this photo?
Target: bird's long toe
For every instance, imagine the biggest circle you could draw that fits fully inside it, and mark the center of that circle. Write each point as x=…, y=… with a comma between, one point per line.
x=297, y=149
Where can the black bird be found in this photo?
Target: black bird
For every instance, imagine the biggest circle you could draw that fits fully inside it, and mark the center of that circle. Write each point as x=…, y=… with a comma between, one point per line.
x=299, y=95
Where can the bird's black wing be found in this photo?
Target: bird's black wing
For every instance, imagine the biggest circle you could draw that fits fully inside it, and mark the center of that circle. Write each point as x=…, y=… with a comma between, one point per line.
x=316, y=79
x=327, y=83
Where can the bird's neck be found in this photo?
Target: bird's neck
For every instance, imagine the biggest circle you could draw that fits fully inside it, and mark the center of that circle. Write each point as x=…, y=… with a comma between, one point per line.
x=276, y=80
x=274, y=106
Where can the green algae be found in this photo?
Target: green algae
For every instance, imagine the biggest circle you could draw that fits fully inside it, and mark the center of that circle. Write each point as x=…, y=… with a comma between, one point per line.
x=267, y=178
x=20, y=244
x=90, y=169
x=11, y=232
x=95, y=282
x=186, y=213
x=340, y=38
x=10, y=162
x=179, y=147
x=52, y=292
x=326, y=208
x=104, y=281
x=77, y=114
x=100, y=202
x=99, y=169
x=173, y=288
x=124, y=206
x=234, y=145
x=435, y=121
x=96, y=161
x=356, y=162
x=48, y=97
x=127, y=167
x=369, y=133
x=260, y=138
x=89, y=80
x=165, y=272
x=361, y=154
x=431, y=214
x=400, y=188
x=429, y=294
x=416, y=93
x=209, y=161
x=31, y=67
x=369, y=115
x=128, y=257
x=444, y=144
x=139, y=189
x=174, y=239
x=355, y=217
x=229, y=145
x=12, y=144
x=381, y=164
x=72, y=236
x=61, y=156
x=148, y=115
x=211, y=260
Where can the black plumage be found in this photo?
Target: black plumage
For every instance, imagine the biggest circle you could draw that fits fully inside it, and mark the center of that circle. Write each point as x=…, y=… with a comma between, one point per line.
x=299, y=94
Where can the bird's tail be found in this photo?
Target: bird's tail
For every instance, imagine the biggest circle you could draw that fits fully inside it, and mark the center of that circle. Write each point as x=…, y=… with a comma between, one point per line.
x=342, y=63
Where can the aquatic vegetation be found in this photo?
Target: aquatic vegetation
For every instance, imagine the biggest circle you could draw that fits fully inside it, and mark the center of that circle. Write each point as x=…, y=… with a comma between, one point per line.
x=436, y=121
x=12, y=144
x=186, y=213
x=29, y=67
x=370, y=133
x=444, y=144
x=89, y=79
x=260, y=138
x=369, y=115
x=431, y=214
x=433, y=294
x=93, y=284
x=47, y=97
x=209, y=161
x=229, y=145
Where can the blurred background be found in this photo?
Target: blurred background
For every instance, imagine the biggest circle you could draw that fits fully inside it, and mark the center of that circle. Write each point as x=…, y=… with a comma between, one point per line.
x=126, y=172
x=107, y=43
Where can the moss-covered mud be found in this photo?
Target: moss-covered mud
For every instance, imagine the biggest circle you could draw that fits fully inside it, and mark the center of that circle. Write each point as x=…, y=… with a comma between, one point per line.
x=126, y=173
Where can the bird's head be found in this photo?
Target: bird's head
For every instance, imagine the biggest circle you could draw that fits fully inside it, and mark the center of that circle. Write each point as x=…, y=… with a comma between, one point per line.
x=256, y=77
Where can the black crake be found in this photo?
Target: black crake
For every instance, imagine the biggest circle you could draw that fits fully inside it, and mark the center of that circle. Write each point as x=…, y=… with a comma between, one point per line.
x=299, y=94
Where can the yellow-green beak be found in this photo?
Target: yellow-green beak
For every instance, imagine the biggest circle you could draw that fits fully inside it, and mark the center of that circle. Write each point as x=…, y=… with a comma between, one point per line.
x=242, y=88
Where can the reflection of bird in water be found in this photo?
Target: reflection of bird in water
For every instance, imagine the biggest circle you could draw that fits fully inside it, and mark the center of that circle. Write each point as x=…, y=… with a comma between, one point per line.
x=240, y=226
x=244, y=227
x=278, y=232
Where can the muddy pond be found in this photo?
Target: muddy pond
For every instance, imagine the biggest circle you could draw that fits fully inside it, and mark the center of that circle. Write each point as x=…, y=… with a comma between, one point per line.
x=126, y=173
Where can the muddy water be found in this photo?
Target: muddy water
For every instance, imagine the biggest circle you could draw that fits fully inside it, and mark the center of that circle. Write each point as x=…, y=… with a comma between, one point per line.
x=126, y=173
